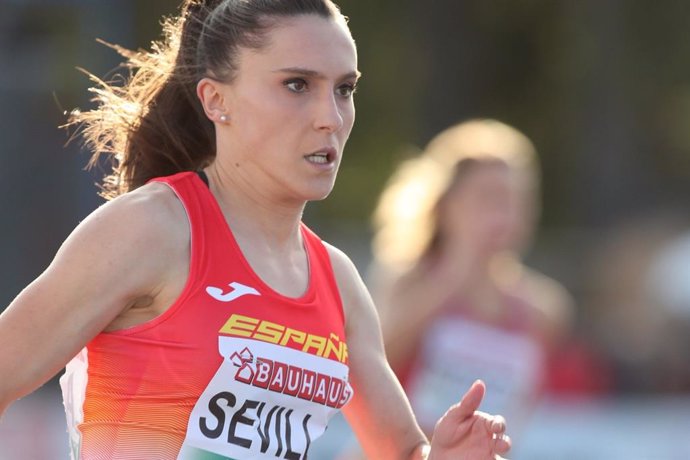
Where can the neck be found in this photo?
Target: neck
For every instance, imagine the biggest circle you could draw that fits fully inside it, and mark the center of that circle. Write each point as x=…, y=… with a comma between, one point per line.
x=251, y=213
x=463, y=262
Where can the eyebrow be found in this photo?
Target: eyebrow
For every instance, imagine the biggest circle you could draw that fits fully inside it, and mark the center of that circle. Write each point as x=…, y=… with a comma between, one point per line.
x=314, y=74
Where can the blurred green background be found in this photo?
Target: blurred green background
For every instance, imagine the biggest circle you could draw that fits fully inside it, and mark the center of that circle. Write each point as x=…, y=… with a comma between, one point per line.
x=602, y=87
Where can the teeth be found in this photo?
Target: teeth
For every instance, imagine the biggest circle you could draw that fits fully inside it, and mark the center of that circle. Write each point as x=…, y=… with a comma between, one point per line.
x=318, y=158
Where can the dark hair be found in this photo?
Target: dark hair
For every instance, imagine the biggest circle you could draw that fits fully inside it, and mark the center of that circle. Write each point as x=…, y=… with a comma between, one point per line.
x=153, y=123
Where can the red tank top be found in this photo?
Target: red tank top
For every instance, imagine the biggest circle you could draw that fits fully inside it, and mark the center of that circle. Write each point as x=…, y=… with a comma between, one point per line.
x=458, y=347
x=232, y=369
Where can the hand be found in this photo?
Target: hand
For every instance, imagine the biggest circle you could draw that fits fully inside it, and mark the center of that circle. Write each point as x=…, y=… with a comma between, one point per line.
x=464, y=433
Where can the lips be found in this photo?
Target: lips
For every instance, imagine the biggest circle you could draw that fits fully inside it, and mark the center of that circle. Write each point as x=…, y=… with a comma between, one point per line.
x=322, y=156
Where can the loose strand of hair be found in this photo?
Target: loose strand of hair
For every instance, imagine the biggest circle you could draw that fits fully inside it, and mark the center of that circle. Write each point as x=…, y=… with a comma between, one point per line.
x=122, y=111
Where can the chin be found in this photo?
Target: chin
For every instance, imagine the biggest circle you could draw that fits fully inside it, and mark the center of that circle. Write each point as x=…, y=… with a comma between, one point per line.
x=319, y=197
x=319, y=193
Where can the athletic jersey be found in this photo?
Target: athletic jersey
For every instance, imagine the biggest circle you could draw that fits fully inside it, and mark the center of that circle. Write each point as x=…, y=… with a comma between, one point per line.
x=232, y=370
x=458, y=348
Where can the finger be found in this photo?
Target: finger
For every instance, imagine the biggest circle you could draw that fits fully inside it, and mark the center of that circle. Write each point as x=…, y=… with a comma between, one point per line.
x=496, y=424
x=502, y=444
x=469, y=403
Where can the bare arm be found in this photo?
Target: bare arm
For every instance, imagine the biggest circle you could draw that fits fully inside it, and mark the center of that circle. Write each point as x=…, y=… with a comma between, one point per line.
x=97, y=276
x=379, y=412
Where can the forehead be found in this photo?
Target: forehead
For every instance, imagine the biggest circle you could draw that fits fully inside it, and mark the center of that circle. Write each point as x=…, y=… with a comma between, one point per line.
x=306, y=41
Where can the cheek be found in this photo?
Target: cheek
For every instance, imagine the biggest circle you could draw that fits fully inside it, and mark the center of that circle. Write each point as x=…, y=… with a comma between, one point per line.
x=348, y=116
x=521, y=226
x=259, y=118
x=261, y=107
x=461, y=219
x=351, y=112
x=490, y=220
x=347, y=110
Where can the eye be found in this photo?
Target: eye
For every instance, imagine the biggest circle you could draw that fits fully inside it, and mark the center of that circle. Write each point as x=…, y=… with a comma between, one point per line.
x=347, y=90
x=296, y=85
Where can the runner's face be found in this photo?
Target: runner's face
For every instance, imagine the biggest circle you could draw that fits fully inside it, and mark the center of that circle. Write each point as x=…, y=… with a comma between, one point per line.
x=291, y=108
x=482, y=210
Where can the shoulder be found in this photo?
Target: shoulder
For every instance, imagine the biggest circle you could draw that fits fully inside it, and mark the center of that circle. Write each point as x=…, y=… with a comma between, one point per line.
x=550, y=295
x=149, y=220
x=342, y=264
x=344, y=270
x=155, y=200
x=149, y=210
x=353, y=292
x=129, y=249
x=551, y=301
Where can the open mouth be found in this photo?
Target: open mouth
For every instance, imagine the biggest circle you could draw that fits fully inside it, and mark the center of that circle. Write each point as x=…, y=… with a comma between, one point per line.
x=322, y=157
x=318, y=158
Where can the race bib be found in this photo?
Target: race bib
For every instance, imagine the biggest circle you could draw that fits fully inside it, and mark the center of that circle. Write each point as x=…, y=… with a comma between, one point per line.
x=459, y=351
x=266, y=401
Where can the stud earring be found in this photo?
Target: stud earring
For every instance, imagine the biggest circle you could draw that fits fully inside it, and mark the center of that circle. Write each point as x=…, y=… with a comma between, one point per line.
x=223, y=118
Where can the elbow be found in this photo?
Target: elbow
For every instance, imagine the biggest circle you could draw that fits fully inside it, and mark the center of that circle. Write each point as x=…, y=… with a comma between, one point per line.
x=420, y=452
x=8, y=395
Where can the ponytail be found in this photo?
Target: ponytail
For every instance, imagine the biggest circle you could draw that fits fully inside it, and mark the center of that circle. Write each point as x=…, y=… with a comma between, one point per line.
x=153, y=124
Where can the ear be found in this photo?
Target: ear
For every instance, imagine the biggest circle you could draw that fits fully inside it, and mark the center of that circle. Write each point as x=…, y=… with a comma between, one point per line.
x=209, y=93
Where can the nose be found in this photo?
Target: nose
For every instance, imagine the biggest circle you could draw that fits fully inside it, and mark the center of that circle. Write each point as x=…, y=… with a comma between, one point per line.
x=329, y=116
